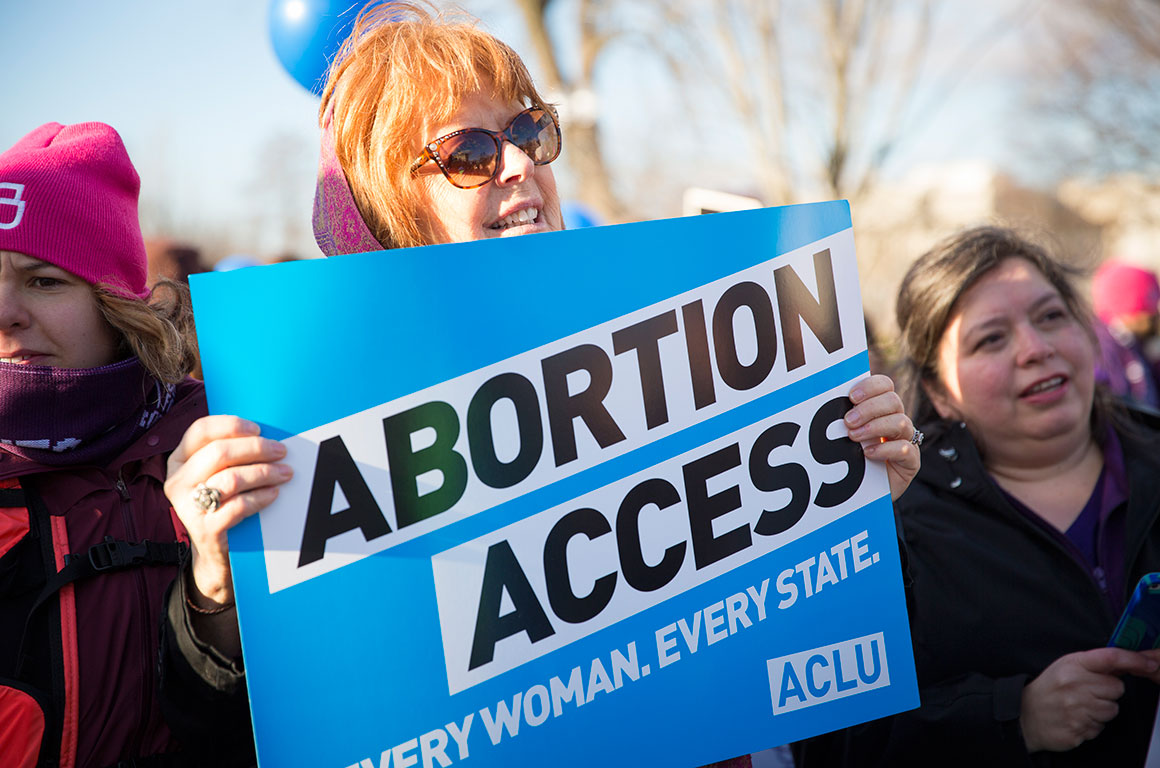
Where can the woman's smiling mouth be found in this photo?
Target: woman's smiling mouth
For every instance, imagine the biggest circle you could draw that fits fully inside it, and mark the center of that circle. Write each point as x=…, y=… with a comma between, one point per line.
x=1049, y=384
x=518, y=218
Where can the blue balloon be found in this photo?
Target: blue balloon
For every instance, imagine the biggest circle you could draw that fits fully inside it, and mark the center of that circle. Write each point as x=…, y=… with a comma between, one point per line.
x=307, y=33
x=577, y=215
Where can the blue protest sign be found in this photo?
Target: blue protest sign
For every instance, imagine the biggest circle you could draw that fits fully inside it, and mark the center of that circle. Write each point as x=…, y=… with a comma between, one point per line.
x=581, y=497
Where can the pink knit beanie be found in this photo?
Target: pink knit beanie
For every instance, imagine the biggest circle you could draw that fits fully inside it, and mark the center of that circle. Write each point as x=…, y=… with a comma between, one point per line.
x=68, y=196
x=1120, y=289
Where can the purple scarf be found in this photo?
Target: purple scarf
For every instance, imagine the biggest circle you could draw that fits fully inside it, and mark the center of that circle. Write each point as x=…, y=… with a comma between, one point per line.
x=70, y=416
x=338, y=226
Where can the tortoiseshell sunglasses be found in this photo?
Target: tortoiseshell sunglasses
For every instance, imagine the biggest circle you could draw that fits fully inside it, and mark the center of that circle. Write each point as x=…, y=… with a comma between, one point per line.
x=469, y=158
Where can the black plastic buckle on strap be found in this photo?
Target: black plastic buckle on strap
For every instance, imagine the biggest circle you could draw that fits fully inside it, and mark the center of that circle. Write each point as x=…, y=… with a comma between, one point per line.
x=111, y=553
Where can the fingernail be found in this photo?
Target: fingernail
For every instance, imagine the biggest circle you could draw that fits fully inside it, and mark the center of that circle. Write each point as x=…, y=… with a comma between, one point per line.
x=278, y=449
x=250, y=428
x=856, y=434
x=853, y=418
x=285, y=471
x=857, y=394
x=870, y=450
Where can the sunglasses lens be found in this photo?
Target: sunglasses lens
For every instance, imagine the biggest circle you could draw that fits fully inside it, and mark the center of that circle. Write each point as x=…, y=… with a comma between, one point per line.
x=536, y=134
x=469, y=158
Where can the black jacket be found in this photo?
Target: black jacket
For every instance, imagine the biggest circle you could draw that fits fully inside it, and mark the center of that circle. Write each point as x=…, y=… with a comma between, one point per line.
x=203, y=693
x=995, y=598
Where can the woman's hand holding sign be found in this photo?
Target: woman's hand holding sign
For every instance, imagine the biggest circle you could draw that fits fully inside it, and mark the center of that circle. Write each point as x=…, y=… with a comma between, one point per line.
x=221, y=473
x=886, y=433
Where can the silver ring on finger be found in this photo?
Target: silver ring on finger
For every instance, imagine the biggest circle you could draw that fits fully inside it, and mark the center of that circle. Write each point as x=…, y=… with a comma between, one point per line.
x=917, y=438
x=206, y=499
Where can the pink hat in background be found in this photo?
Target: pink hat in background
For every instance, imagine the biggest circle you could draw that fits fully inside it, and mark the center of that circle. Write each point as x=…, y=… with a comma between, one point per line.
x=68, y=196
x=1120, y=289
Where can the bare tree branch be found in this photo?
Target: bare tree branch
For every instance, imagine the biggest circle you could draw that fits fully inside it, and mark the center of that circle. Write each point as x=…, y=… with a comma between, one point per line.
x=1096, y=90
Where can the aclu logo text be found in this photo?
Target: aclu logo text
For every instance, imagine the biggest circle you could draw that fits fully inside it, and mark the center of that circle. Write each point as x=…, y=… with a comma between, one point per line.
x=831, y=672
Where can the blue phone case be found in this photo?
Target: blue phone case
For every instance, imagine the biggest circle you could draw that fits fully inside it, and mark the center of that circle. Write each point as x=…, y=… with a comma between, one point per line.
x=1139, y=626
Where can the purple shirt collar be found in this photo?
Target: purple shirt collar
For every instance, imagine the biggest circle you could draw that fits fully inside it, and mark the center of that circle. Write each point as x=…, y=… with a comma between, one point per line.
x=1096, y=538
x=1110, y=530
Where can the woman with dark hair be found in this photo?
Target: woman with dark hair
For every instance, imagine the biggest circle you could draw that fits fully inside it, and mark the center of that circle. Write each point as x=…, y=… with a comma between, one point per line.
x=1029, y=523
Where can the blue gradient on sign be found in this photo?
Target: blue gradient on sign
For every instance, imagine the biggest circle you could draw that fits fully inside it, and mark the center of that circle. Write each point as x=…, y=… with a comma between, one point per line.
x=372, y=674
x=350, y=663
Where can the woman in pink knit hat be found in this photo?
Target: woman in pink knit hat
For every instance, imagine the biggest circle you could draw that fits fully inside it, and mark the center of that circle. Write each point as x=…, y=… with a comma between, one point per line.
x=98, y=420
x=1126, y=300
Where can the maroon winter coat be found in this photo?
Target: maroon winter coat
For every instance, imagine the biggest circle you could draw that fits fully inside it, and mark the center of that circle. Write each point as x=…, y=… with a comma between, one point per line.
x=93, y=648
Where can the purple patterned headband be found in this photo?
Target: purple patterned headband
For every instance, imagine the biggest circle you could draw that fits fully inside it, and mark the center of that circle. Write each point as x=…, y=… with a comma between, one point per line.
x=338, y=226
